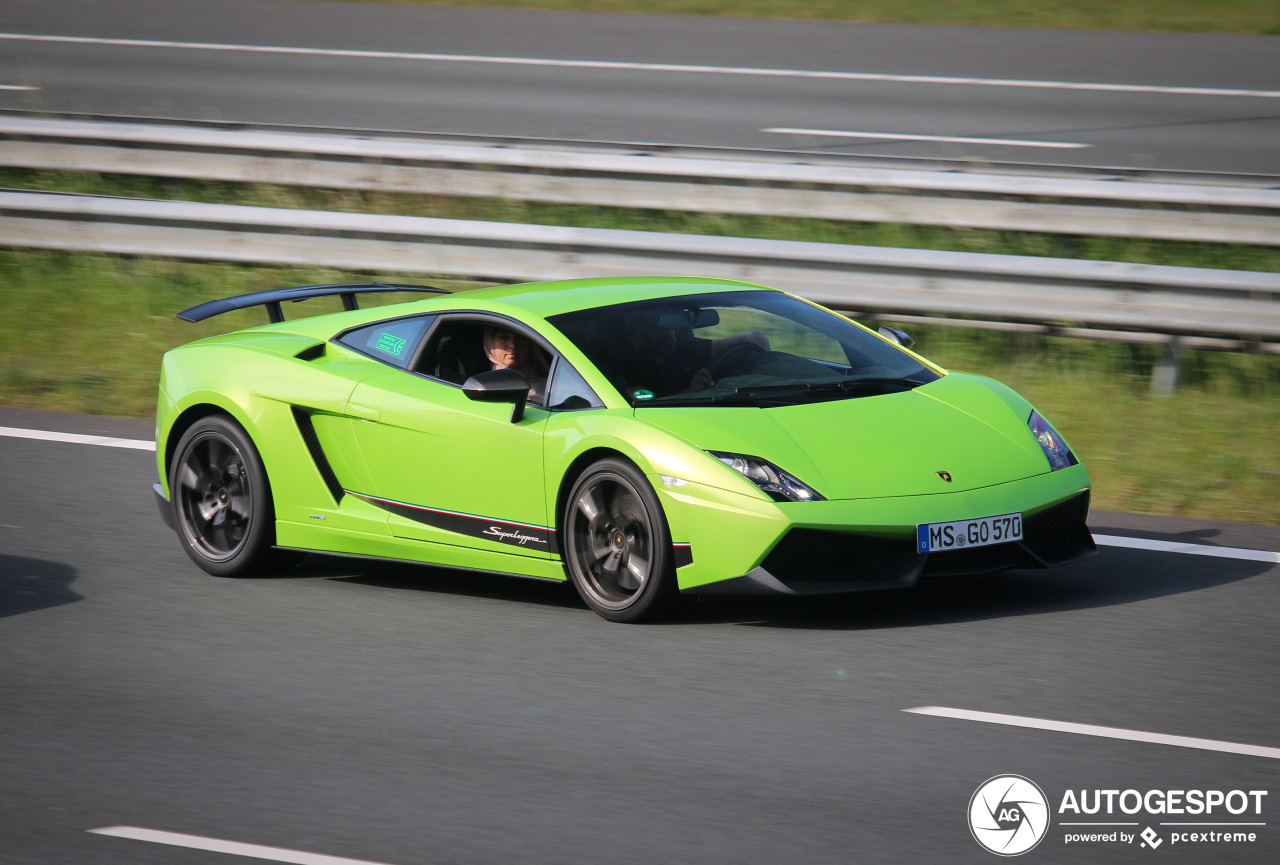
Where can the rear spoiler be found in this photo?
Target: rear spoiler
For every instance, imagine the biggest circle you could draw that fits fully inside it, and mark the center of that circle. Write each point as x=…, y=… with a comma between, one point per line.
x=272, y=298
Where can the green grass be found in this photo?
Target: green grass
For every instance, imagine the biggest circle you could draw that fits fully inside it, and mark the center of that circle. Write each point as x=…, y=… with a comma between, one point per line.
x=1198, y=16
x=85, y=332
x=1138, y=251
x=98, y=324
x=1206, y=451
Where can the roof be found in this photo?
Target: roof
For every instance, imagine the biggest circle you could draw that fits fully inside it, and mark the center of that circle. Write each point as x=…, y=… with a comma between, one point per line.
x=552, y=298
x=538, y=299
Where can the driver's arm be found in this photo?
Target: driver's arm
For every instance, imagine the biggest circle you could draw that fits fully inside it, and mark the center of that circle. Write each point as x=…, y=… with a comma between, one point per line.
x=718, y=346
x=701, y=381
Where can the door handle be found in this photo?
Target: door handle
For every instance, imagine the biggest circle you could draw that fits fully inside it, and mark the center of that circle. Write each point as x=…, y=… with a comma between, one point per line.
x=363, y=412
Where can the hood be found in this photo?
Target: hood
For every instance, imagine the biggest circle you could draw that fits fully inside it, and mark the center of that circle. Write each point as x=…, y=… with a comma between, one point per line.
x=878, y=446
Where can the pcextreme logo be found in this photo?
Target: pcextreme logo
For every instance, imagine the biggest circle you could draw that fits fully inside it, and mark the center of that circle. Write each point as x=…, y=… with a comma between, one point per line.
x=1010, y=815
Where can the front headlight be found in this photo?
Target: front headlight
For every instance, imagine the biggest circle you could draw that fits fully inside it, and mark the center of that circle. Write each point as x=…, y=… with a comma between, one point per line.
x=783, y=487
x=1055, y=449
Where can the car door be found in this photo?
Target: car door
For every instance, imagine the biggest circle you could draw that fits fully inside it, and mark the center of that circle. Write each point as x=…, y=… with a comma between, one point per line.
x=324, y=460
x=450, y=470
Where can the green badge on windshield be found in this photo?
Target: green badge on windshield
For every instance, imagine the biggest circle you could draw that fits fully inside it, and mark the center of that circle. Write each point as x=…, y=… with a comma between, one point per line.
x=643, y=394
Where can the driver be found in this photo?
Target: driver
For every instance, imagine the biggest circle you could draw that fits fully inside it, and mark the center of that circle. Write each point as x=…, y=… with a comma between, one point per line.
x=507, y=349
x=667, y=362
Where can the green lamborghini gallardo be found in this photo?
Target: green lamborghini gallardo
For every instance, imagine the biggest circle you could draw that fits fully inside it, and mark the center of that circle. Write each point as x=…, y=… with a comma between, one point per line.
x=639, y=437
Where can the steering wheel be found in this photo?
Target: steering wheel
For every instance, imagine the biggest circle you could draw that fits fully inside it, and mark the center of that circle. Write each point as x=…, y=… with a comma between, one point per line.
x=734, y=359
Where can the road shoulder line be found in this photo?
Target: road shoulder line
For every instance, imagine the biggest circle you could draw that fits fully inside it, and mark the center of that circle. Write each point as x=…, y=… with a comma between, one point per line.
x=632, y=66
x=1187, y=549
x=1237, y=553
x=235, y=848
x=1102, y=732
x=77, y=438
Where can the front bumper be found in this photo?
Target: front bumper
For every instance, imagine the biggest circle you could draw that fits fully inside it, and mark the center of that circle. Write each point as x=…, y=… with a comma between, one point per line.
x=817, y=562
x=859, y=545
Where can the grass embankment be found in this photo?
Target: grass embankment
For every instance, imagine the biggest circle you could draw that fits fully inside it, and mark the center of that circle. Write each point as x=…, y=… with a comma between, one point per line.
x=1196, y=16
x=84, y=332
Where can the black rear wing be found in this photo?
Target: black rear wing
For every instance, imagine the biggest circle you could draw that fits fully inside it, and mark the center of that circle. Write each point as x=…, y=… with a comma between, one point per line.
x=272, y=298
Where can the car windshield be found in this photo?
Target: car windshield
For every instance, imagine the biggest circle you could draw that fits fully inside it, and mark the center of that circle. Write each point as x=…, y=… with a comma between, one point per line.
x=761, y=348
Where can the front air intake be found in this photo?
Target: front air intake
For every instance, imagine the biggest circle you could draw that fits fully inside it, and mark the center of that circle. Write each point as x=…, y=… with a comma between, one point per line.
x=812, y=560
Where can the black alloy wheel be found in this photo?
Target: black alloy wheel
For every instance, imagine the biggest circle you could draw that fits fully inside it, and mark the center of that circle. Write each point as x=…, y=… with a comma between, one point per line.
x=618, y=547
x=221, y=500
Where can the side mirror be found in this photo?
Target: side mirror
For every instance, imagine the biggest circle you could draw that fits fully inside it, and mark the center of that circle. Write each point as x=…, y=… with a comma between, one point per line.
x=898, y=336
x=499, y=385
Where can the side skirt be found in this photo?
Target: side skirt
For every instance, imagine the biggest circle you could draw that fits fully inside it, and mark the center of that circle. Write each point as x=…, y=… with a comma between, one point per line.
x=335, y=541
x=369, y=558
x=524, y=535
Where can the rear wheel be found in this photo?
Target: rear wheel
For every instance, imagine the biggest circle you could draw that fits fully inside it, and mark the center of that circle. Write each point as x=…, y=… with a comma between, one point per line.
x=617, y=545
x=221, y=500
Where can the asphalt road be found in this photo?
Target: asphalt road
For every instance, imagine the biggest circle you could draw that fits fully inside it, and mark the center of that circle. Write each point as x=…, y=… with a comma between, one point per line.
x=1148, y=128
x=410, y=715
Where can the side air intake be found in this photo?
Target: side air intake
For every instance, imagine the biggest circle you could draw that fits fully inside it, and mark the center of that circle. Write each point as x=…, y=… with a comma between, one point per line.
x=308, y=430
x=314, y=352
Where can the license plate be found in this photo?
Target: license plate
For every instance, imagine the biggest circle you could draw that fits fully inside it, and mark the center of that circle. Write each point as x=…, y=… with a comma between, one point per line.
x=963, y=534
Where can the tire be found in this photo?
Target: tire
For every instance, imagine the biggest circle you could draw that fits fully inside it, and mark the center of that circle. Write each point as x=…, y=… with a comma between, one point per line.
x=221, y=500
x=617, y=545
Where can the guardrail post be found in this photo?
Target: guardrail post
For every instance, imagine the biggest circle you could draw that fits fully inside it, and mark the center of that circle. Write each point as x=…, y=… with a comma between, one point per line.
x=1168, y=370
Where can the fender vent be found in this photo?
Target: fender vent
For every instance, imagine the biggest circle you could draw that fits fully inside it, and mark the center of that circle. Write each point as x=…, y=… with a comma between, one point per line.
x=311, y=353
x=308, y=431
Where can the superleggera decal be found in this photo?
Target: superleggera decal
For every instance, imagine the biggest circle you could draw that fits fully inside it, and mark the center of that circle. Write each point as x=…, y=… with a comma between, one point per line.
x=525, y=535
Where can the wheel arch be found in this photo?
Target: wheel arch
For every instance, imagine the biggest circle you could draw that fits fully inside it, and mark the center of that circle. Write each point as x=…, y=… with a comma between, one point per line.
x=183, y=421
x=579, y=465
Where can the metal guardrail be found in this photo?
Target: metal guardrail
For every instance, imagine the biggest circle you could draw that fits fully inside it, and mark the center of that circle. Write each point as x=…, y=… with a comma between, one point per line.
x=796, y=155
x=1197, y=304
x=1225, y=213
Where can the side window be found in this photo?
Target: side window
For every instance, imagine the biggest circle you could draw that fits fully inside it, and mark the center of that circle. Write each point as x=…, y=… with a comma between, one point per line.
x=460, y=347
x=455, y=352
x=569, y=392
x=392, y=341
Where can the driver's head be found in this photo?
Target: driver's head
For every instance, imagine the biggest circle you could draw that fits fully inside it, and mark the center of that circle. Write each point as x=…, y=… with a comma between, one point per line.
x=505, y=348
x=649, y=337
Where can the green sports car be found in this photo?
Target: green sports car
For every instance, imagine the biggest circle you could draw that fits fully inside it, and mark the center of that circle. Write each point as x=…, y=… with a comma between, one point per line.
x=639, y=437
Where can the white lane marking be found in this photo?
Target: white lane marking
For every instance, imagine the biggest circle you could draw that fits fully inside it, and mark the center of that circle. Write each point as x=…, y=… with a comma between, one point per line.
x=1187, y=549
x=217, y=845
x=17, y=87
x=1103, y=732
x=77, y=439
x=1102, y=540
x=898, y=136
x=647, y=67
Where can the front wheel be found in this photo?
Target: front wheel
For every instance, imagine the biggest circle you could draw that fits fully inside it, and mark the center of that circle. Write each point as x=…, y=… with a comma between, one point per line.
x=221, y=500
x=617, y=545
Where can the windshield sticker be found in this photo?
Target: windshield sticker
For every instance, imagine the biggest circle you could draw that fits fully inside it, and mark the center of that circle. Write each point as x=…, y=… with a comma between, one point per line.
x=390, y=343
x=643, y=394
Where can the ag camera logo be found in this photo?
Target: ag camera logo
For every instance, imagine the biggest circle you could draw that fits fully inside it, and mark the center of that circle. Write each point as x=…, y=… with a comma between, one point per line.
x=1008, y=815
